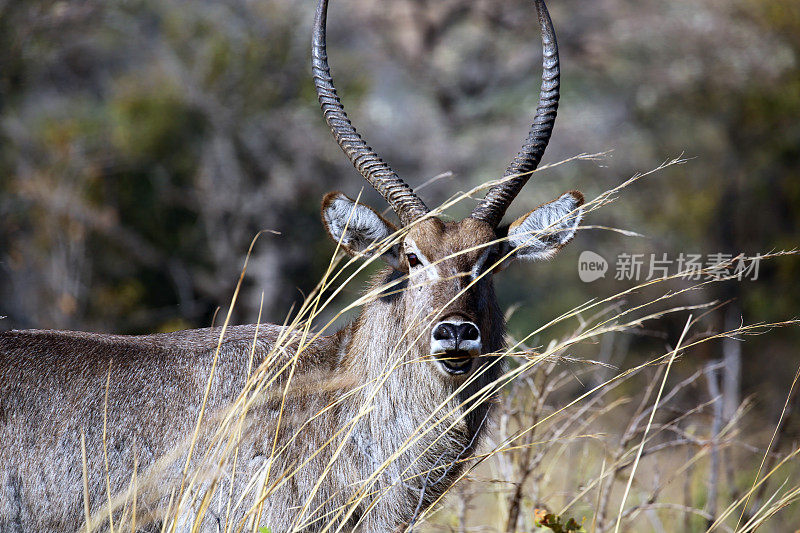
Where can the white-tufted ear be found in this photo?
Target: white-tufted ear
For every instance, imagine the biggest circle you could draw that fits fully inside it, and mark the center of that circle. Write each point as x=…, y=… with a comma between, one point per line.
x=357, y=227
x=545, y=230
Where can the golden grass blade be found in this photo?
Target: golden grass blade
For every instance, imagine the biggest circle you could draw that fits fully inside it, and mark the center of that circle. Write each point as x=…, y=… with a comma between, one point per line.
x=649, y=423
x=85, y=472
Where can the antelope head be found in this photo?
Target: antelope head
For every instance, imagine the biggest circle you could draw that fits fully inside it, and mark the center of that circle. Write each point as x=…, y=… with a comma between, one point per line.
x=448, y=301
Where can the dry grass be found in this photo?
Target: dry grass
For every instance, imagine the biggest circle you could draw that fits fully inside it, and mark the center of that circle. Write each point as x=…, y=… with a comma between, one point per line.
x=625, y=453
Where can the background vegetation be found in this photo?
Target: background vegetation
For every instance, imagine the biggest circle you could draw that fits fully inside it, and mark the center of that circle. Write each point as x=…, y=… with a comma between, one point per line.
x=144, y=143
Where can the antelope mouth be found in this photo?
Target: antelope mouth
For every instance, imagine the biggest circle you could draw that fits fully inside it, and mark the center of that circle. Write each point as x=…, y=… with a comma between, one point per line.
x=456, y=362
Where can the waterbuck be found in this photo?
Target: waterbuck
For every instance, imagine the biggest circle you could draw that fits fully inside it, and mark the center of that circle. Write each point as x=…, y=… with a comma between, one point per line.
x=362, y=429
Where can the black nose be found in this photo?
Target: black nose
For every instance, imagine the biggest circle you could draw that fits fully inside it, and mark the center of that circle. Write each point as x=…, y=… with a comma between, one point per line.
x=464, y=331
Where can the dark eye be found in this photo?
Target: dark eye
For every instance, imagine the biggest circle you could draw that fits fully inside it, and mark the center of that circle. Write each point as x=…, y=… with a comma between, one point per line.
x=491, y=260
x=413, y=260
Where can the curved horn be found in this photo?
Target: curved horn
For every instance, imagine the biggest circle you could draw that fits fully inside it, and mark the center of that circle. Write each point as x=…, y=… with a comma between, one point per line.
x=380, y=175
x=494, y=205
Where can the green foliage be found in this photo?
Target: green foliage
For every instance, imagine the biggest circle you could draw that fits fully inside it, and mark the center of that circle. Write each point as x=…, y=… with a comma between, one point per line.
x=156, y=125
x=556, y=524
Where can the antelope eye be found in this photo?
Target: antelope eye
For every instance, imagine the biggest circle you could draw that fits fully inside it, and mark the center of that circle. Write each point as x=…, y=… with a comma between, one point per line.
x=413, y=260
x=491, y=261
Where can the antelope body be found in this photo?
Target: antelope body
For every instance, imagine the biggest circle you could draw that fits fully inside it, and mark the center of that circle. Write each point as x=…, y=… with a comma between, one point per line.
x=378, y=420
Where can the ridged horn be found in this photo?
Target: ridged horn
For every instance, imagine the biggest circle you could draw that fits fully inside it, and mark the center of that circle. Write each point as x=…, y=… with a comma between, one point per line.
x=380, y=175
x=494, y=205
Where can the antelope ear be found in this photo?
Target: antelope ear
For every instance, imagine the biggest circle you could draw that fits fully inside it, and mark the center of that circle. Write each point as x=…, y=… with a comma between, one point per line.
x=545, y=230
x=357, y=227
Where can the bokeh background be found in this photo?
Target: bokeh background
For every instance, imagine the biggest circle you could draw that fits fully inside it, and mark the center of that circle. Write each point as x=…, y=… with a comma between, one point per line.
x=144, y=143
